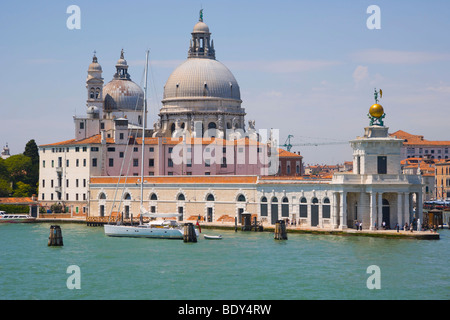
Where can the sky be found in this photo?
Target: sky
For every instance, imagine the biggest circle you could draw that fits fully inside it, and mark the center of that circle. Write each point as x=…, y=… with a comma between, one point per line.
x=306, y=68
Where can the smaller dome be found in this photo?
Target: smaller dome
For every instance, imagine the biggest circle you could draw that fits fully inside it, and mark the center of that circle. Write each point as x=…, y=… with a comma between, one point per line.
x=376, y=110
x=201, y=27
x=95, y=66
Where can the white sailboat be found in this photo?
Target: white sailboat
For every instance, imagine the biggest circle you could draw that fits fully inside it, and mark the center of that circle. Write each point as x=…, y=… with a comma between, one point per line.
x=161, y=229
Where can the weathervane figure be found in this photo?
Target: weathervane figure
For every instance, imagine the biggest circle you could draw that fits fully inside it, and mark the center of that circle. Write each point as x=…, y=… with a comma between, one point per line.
x=201, y=15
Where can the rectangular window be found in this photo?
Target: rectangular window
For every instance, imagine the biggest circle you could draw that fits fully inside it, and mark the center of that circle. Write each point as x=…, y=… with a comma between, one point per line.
x=151, y=162
x=67, y=163
x=84, y=162
x=43, y=163
x=121, y=136
x=121, y=154
x=81, y=125
x=170, y=173
x=170, y=149
x=94, y=162
x=43, y=183
x=43, y=197
x=76, y=183
x=207, y=163
x=102, y=125
x=224, y=162
x=77, y=149
x=67, y=183
x=84, y=183
x=189, y=163
x=135, y=149
x=94, y=149
x=111, y=162
x=382, y=164
x=135, y=162
x=151, y=149
x=84, y=149
x=51, y=183
x=169, y=163
x=77, y=162
x=111, y=149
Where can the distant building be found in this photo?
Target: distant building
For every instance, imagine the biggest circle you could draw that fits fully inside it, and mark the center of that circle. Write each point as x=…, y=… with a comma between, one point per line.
x=415, y=146
x=5, y=152
x=443, y=179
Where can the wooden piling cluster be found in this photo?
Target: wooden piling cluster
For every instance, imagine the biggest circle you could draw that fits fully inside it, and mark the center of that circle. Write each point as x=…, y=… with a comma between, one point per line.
x=280, y=230
x=55, y=239
x=189, y=233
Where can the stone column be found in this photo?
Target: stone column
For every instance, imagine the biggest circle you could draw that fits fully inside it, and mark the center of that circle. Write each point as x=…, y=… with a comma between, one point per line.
x=343, y=210
x=380, y=210
x=399, y=210
x=334, y=213
x=419, y=208
x=373, y=210
x=406, y=207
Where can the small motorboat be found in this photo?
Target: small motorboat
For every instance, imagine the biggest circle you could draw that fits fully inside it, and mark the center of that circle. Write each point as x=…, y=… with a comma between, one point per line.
x=219, y=237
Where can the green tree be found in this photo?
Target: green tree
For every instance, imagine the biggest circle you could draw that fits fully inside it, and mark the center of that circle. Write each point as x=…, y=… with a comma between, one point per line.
x=23, y=190
x=5, y=188
x=19, y=166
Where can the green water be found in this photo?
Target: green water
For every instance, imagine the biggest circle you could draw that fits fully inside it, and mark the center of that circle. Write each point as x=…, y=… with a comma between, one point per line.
x=241, y=266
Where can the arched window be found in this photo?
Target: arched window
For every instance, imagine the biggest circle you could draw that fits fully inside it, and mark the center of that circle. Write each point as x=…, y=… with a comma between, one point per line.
x=212, y=125
x=172, y=128
x=326, y=208
x=92, y=94
x=241, y=198
x=285, y=207
x=264, y=207
x=274, y=210
x=180, y=197
x=303, y=208
x=97, y=93
x=210, y=197
x=314, y=212
x=102, y=196
x=127, y=196
x=153, y=196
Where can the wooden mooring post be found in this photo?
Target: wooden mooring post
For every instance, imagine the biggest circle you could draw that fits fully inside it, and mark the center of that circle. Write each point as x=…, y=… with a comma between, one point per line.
x=189, y=233
x=280, y=230
x=55, y=238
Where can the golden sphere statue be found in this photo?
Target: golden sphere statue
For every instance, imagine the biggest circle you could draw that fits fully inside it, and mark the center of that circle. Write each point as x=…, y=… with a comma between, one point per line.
x=376, y=110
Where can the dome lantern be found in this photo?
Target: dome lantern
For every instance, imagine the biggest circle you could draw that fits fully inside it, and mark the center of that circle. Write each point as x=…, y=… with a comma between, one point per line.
x=201, y=45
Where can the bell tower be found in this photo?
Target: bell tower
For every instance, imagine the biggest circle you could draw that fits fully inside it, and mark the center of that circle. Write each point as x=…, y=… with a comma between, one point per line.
x=94, y=84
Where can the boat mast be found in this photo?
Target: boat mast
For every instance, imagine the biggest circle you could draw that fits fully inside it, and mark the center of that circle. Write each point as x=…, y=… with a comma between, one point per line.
x=144, y=111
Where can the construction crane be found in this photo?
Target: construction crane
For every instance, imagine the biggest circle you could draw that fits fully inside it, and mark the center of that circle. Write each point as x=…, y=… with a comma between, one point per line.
x=288, y=145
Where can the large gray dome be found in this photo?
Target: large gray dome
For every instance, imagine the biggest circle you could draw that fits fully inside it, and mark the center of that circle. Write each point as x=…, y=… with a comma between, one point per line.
x=200, y=78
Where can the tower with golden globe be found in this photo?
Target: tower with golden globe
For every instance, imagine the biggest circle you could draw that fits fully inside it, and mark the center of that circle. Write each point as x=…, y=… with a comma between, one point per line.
x=376, y=112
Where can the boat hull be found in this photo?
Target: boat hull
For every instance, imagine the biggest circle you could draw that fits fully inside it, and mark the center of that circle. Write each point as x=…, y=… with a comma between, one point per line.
x=17, y=220
x=143, y=232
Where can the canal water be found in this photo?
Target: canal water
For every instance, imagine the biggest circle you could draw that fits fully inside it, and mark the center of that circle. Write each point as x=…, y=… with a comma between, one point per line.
x=241, y=266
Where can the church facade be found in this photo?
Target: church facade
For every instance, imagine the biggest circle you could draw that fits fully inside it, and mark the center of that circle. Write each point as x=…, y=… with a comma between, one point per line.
x=200, y=130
